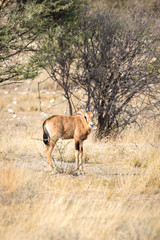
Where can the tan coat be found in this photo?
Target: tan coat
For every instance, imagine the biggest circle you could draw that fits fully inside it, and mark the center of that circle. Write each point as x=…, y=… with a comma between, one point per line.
x=75, y=127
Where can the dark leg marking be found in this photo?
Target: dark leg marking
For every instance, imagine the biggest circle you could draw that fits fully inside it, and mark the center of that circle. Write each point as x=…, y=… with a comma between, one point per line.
x=81, y=149
x=77, y=146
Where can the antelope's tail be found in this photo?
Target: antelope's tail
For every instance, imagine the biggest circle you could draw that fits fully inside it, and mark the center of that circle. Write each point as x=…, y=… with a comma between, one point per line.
x=46, y=137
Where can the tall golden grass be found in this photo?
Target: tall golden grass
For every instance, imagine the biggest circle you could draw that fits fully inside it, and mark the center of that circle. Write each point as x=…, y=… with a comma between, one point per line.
x=118, y=197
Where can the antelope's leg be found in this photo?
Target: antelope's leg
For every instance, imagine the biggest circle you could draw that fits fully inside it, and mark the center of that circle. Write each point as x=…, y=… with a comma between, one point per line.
x=81, y=157
x=48, y=152
x=77, y=145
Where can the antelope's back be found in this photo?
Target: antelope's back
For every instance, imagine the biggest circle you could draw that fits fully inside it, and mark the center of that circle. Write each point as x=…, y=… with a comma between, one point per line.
x=61, y=126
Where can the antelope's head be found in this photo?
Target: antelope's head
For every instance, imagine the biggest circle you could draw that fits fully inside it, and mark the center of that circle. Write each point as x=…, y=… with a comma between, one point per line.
x=88, y=117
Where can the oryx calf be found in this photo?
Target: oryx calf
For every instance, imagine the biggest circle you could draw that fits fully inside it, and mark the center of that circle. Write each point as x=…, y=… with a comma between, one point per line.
x=75, y=127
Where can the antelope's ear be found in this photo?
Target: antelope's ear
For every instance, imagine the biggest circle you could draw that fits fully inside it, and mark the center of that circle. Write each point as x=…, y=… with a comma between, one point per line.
x=80, y=112
x=81, y=109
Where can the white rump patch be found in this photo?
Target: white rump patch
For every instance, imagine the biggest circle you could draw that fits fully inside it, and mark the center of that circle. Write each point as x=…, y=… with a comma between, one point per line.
x=47, y=127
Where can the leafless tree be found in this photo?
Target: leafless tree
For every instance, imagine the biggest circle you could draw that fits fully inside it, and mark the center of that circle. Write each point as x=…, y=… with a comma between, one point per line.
x=118, y=67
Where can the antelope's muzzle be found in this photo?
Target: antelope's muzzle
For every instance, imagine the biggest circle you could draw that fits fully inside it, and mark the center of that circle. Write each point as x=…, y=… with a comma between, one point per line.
x=91, y=124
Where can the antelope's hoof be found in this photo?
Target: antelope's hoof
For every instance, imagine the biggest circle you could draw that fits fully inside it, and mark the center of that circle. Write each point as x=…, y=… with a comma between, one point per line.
x=81, y=173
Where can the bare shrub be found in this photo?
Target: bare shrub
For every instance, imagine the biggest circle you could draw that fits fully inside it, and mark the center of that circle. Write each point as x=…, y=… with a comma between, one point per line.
x=118, y=67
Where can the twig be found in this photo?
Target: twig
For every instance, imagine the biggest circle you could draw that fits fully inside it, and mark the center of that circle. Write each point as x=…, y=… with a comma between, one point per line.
x=39, y=95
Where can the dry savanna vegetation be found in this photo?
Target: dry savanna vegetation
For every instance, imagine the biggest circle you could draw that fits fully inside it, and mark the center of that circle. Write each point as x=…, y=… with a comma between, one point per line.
x=117, y=198
x=55, y=57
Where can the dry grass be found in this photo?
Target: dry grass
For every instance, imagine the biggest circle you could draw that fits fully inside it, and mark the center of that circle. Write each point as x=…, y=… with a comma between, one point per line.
x=118, y=198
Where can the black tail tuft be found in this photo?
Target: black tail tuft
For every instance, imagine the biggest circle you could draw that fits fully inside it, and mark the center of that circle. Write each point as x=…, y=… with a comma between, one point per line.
x=46, y=137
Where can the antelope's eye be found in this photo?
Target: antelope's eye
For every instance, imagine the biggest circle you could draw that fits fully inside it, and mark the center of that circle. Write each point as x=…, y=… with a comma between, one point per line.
x=86, y=118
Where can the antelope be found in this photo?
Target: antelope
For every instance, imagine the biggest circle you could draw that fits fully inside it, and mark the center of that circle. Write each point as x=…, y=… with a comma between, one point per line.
x=76, y=127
